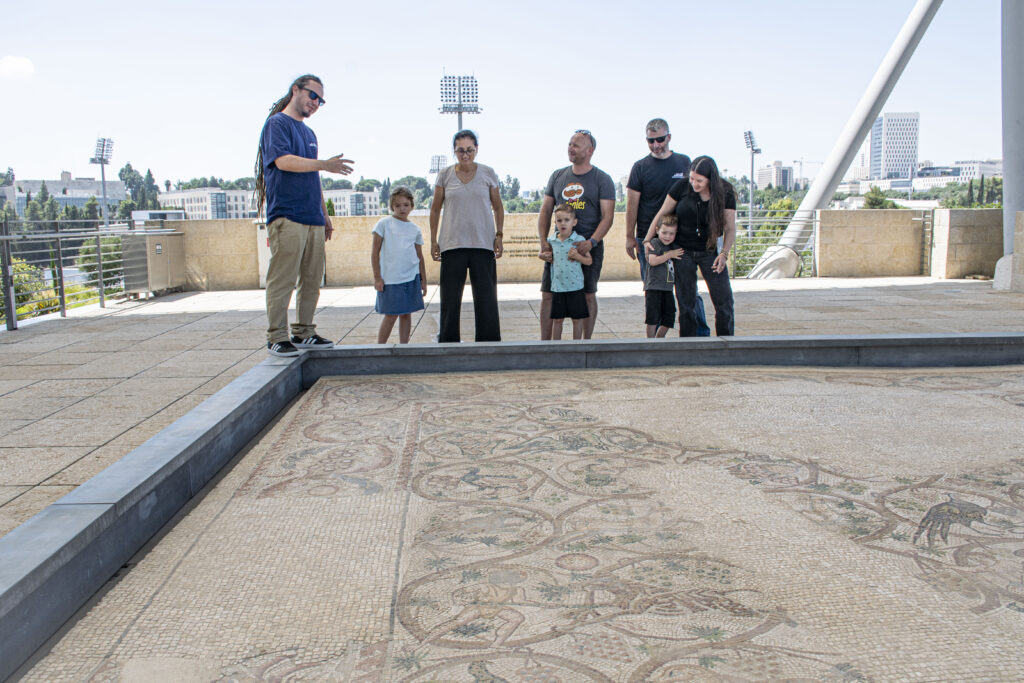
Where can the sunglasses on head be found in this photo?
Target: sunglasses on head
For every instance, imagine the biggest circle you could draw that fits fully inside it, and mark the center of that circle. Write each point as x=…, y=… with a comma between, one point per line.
x=315, y=97
x=584, y=131
x=660, y=139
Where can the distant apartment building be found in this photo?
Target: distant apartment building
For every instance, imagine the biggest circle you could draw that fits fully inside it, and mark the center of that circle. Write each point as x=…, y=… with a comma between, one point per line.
x=775, y=175
x=894, y=145
x=352, y=203
x=974, y=169
x=860, y=169
x=210, y=203
x=67, y=191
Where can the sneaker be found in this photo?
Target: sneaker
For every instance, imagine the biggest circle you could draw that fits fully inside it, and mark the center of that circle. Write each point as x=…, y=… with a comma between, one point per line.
x=282, y=348
x=314, y=342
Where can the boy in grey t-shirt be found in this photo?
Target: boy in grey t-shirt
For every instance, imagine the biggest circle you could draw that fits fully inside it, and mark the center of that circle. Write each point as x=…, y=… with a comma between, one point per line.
x=659, y=284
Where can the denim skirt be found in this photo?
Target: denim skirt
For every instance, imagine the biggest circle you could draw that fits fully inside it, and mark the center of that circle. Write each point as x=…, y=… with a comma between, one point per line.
x=400, y=299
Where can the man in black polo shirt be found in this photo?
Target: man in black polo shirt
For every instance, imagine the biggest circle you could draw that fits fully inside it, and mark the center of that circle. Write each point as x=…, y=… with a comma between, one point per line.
x=591, y=193
x=649, y=183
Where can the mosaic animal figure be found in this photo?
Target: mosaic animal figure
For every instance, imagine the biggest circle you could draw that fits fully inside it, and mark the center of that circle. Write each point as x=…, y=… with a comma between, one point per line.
x=941, y=516
x=480, y=674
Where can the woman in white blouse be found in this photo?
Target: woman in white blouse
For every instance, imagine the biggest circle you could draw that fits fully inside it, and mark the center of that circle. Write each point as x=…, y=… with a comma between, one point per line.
x=469, y=239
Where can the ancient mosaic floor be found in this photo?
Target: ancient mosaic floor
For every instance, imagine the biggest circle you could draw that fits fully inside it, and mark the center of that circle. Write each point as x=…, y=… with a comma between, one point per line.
x=650, y=525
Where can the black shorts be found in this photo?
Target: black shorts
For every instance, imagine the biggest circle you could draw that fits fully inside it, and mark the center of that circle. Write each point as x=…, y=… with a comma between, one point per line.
x=569, y=305
x=591, y=273
x=661, y=307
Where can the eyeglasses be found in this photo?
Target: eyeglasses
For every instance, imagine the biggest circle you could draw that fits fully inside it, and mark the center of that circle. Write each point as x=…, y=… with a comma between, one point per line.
x=315, y=97
x=459, y=150
x=660, y=139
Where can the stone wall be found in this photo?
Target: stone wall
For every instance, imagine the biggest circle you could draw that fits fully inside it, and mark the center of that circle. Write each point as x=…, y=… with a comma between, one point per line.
x=221, y=255
x=868, y=243
x=966, y=242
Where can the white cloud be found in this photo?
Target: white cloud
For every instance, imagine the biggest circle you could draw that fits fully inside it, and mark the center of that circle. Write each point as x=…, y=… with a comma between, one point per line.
x=14, y=68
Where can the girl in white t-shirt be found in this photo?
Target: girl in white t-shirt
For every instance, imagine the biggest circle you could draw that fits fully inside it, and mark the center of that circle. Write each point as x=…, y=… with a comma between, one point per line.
x=399, y=273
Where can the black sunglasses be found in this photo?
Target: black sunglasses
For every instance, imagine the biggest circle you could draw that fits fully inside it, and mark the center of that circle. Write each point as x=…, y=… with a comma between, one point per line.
x=315, y=97
x=660, y=139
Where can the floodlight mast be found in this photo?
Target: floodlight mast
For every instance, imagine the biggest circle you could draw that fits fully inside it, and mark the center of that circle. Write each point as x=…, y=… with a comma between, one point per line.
x=438, y=162
x=104, y=150
x=458, y=96
x=748, y=140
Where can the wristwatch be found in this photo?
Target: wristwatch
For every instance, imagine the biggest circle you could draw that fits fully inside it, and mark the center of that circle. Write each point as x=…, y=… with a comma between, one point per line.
x=593, y=242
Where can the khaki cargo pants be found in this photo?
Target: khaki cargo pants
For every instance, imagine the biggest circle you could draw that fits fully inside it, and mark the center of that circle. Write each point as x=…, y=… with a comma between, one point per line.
x=296, y=260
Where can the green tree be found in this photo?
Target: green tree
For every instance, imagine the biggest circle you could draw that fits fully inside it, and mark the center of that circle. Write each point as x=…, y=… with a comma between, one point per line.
x=44, y=194
x=112, y=262
x=332, y=184
x=125, y=208
x=27, y=279
x=367, y=185
x=970, y=192
x=385, y=193
x=508, y=188
x=51, y=209
x=876, y=199
x=133, y=181
x=33, y=212
x=152, y=191
x=92, y=209
x=7, y=178
x=330, y=207
x=9, y=213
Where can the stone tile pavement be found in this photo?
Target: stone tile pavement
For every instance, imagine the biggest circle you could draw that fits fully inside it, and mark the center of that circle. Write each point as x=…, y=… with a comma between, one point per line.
x=78, y=393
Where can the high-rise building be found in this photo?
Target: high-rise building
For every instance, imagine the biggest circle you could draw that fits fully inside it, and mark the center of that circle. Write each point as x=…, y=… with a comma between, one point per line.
x=775, y=175
x=894, y=145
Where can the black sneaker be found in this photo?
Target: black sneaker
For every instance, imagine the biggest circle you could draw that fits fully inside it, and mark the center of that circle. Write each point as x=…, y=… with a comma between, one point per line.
x=282, y=348
x=314, y=342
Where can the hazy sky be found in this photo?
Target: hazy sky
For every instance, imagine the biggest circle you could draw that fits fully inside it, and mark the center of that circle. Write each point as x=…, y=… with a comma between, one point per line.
x=183, y=88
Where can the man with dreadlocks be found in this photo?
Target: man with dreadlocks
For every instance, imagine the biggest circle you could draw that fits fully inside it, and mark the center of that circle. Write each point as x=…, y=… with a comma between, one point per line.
x=288, y=179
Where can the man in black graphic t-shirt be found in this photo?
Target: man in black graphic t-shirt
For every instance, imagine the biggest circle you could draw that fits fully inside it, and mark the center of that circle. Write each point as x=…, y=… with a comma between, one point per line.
x=649, y=183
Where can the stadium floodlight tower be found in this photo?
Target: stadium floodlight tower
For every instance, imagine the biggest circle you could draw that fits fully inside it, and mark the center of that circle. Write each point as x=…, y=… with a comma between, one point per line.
x=748, y=140
x=104, y=150
x=458, y=96
x=438, y=163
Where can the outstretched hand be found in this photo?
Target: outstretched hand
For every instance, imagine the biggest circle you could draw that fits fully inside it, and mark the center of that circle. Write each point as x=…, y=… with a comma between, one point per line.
x=338, y=164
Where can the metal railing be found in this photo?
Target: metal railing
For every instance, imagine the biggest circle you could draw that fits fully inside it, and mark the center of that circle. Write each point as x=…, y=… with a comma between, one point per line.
x=52, y=265
x=756, y=233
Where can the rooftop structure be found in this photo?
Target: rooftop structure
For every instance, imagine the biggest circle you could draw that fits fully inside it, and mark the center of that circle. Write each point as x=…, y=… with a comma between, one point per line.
x=66, y=190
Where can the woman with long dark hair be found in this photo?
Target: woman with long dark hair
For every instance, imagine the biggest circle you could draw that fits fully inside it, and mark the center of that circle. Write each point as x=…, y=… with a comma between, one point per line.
x=705, y=206
x=467, y=238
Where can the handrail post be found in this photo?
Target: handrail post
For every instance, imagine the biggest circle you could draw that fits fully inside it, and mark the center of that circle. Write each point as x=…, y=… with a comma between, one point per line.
x=99, y=269
x=6, y=264
x=59, y=267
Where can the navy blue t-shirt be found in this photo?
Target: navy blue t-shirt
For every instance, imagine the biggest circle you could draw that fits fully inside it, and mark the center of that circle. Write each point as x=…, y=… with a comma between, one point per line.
x=295, y=196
